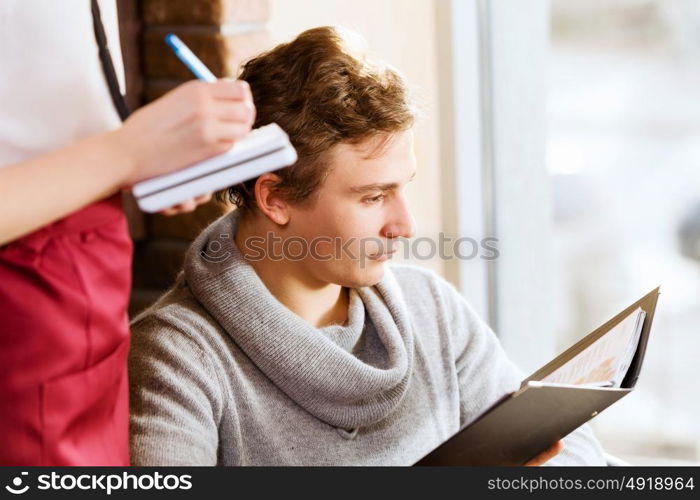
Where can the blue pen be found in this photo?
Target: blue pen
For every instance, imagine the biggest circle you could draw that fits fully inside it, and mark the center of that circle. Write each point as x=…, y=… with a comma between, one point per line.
x=189, y=59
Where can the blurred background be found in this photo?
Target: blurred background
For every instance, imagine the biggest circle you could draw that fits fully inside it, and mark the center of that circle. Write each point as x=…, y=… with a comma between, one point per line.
x=623, y=155
x=567, y=129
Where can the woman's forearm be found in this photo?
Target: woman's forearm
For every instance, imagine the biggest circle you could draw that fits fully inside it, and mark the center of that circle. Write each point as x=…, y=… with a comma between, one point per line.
x=50, y=186
x=194, y=121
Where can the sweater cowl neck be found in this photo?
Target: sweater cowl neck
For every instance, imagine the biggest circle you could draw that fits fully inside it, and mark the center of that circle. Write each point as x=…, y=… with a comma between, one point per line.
x=320, y=375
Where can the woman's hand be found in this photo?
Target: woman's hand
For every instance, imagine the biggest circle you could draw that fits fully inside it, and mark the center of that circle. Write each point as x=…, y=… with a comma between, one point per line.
x=186, y=206
x=193, y=122
x=547, y=454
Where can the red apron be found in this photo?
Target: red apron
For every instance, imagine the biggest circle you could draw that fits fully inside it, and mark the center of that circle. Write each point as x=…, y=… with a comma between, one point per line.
x=64, y=340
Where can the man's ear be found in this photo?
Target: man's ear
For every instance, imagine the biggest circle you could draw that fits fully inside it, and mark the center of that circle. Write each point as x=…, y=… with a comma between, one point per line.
x=268, y=199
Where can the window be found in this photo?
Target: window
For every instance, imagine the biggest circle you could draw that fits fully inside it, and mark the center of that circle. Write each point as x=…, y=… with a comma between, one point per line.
x=623, y=151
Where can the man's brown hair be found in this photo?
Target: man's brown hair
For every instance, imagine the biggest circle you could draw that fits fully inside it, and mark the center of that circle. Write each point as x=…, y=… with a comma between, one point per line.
x=322, y=92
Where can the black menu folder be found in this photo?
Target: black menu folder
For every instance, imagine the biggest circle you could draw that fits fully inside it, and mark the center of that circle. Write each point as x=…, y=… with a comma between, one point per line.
x=525, y=423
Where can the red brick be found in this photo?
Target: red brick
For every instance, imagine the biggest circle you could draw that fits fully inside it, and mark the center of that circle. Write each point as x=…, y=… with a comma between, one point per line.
x=186, y=226
x=221, y=54
x=157, y=262
x=134, y=216
x=153, y=89
x=211, y=12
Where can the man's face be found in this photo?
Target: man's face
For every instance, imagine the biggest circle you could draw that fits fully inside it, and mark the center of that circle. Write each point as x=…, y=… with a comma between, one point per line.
x=358, y=212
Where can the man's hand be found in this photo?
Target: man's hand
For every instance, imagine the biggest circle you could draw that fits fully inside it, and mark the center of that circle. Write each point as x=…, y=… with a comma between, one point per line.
x=547, y=454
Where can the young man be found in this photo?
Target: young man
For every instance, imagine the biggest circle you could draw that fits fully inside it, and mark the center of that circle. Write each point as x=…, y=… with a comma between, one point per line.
x=287, y=340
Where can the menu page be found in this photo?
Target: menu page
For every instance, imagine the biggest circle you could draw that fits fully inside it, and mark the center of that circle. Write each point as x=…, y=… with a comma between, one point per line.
x=605, y=362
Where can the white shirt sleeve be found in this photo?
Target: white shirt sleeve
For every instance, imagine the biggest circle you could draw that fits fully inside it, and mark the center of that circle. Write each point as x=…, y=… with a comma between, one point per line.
x=53, y=91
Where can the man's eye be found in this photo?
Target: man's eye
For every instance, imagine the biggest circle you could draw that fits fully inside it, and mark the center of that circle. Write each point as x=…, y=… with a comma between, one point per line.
x=375, y=199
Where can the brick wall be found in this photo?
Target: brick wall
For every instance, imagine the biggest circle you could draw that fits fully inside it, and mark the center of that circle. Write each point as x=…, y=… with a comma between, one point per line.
x=223, y=33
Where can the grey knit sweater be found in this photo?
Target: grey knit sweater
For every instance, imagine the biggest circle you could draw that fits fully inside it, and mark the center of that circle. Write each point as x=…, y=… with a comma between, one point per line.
x=223, y=373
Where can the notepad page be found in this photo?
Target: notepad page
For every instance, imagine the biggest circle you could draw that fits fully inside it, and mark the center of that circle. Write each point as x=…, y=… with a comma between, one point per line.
x=258, y=141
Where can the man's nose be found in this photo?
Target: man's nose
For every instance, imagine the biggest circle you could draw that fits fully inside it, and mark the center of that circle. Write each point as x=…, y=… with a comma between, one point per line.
x=401, y=223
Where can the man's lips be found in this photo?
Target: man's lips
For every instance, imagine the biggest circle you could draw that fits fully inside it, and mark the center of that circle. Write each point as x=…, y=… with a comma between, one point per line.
x=383, y=255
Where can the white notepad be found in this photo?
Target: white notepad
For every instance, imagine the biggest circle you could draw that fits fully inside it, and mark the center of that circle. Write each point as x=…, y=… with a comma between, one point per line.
x=263, y=150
